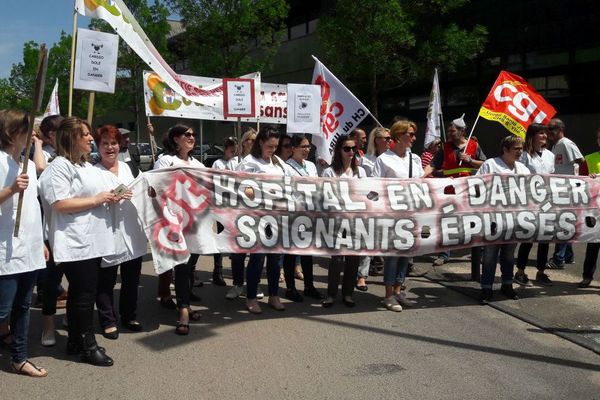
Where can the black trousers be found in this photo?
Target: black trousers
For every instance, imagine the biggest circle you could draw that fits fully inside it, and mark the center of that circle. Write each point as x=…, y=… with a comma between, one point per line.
x=289, y=264
x=51, y=285
x=591, y=258
x=130, y=280
x=349, y=266
x=83, y=284
x=184, y=281
x=542, y=255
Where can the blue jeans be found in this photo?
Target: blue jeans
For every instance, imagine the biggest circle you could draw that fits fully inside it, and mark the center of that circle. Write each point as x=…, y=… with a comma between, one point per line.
x=254, y=271
x=506, y=253
x=364, y=263
x=394, y=270
x=15, y=299
x=563, y=252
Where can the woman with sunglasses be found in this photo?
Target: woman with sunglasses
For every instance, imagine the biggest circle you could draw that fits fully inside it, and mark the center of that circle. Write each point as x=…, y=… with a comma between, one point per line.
x=179, y=143
x=246, y=142
x=398, y=163
x=343, y=165
x=262, y=160
x=300, y=166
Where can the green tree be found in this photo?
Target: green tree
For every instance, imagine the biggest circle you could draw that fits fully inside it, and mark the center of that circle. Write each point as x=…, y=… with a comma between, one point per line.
x=231, y=37
x=390, y=43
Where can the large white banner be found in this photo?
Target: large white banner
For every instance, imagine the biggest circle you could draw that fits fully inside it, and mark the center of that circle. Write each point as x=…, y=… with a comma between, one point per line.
x=162, y=101
x=96, y=61
x=180, y=208
x=304, y=110
x=118, y=16
x=341, y=111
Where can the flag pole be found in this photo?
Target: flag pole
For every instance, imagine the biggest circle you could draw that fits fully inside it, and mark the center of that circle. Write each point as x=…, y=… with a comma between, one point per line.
x=153, y=149
x=90, y=113
x=72, y=74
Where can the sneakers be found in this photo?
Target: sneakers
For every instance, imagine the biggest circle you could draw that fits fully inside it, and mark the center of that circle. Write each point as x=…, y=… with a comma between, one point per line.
x=486, y=296
x=259, y=294
x=294, y=295
x=522, y=279
x=234, y=292
x=439, y=261
x=542, y=279
x=552, y=264
x=570, y=260
x=313, y=293
x=584, y=283
x=48, y=338
x=392, y=304
x=275, y=303
x=253, y=306
x=508, y=291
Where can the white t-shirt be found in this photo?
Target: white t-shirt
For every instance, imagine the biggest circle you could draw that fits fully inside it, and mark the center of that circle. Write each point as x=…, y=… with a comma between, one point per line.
x=539, y=164
x=391, y=165
x=368, y=163
x=173, y=161
x=497, y=166
x=24, y=253
x=330, y=173
x=48, y=151
x=82, y=235
x=308, y=169
x=130, y=240
x=565, y=154
x=261, y=166
x=220, y=164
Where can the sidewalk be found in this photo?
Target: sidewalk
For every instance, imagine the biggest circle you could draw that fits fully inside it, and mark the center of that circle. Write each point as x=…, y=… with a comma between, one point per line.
x=562, y=309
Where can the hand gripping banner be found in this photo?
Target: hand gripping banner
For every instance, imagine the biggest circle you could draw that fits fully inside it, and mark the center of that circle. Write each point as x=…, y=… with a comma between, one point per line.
x=180, y=208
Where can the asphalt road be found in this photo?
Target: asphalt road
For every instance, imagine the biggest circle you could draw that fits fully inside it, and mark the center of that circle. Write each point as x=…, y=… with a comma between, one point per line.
x=445, y=346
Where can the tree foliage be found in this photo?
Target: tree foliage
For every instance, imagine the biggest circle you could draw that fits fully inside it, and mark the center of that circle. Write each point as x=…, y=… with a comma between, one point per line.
x=390, y=43
x=231, y=37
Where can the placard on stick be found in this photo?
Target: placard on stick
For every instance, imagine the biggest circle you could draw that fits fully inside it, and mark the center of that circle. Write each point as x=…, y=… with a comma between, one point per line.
x=239, y=100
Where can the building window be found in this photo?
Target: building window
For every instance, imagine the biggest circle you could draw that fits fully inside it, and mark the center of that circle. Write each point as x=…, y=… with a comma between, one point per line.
x=540, y=59
x=551, y=86
x=418, y=102
x=297, y=31
x=461, y=95
x=589, y=54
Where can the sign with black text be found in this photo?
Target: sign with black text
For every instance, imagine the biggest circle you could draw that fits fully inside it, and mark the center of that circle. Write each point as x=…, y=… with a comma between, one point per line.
x=239, y=98
x=96, y=61
x=304, y=108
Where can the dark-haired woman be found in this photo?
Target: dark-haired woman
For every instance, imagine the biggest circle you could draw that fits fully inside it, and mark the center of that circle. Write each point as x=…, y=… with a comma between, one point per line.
x=130, y=241
x=76, y=200
x=539, y=160
x=178, y=144
x=262, y=160
x=20, y=257
x=343, y=165
x=300, y=166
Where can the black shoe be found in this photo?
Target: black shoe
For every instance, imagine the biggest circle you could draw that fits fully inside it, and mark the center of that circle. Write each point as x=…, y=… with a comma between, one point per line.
x=312, y=292
x=362, y=288
x=293, y=295
x=522, y=279
x=95, y=356
x=132, y=325
x=328, y=302
x=218, y=279
x=585, y=282
x=508, y=291
x=486, y=296
x=347, y=300
x=542, y=279
x=114, y=335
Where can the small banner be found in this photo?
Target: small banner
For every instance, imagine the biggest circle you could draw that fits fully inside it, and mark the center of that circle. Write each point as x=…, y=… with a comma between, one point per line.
x=515, y=104
x=179, y=209
x=434, y=113
x=304, y=111
x=96, y=61
x=53, y=108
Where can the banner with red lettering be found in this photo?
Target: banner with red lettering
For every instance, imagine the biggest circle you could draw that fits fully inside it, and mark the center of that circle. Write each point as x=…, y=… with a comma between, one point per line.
x=341, y=111
x=515, y=104
x=181, y=207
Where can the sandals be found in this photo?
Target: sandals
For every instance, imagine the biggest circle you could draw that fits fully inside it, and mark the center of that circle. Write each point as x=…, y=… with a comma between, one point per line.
x=36, y=373
x=182, y=329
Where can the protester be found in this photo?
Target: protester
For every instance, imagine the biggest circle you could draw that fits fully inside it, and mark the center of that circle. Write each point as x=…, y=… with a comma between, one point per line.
x=284, y=148
x=262, y=160
x=343, y=165
x=567, y=159
x=247, y=142
x=398, y=163
x=512, y=149
x=130, y=241
x=360, y=138
x=458, y=157
x=539, y=160
x=300, y=166
x=48, y=128
x=431, y=149
x=178, y=144
x=20, y=257
x=75, y=201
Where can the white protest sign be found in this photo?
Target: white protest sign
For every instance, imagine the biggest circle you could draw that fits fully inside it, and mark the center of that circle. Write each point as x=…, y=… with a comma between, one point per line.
x=239, y=98
x=304, y=110
x=96, y=61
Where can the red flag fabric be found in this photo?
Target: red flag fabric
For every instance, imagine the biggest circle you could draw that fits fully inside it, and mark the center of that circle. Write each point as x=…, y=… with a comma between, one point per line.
x=515, y=104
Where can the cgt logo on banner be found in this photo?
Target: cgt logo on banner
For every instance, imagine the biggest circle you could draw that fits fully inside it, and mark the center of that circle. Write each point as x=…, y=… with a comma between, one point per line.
x=180, y=207
x=341, y=111
x=515, y=104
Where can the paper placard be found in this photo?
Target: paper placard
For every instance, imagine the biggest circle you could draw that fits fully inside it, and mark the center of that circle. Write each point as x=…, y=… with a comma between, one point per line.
x=239, y=98
x=96, y=61
x=304, y=103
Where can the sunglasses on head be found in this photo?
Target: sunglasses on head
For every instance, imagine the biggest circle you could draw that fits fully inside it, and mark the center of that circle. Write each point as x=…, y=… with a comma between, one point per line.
x=348, y=149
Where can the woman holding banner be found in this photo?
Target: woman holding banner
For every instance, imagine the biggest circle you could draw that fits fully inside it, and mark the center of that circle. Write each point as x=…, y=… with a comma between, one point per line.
x=179, y=143
x=398, y=163
x=300, y=166
x=20, y=257
x=262, y=160
x=75, y=200
x=129, y=239
x=343, y=165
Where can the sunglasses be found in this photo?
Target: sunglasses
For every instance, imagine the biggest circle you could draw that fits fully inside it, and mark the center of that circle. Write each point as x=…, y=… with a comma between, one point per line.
x=411, y=134
x=304, y=147
x=349, y=149
x=286, y=146
x=386, y=138
x=188, y=134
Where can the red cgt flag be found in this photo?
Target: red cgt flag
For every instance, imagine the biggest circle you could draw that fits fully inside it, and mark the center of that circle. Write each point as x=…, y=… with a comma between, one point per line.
x=515, y=104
